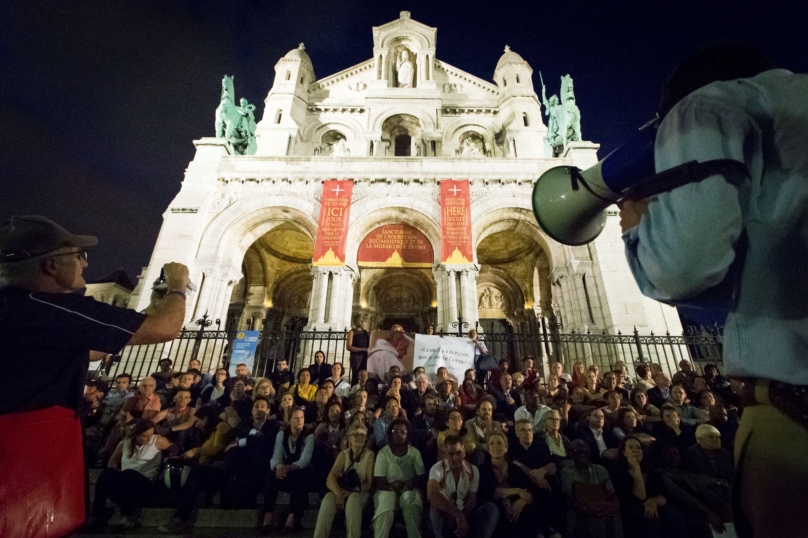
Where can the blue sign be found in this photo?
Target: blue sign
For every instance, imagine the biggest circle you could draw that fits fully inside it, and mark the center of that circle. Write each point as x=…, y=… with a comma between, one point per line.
x=244, y=350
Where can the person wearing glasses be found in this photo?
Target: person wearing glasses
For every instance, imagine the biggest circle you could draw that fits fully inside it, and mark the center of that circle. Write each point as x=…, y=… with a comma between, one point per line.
x=51, y=334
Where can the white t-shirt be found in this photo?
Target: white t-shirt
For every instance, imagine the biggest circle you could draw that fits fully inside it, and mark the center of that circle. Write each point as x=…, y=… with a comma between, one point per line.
x=468, y=482
x=537, y=418
x=402, y=468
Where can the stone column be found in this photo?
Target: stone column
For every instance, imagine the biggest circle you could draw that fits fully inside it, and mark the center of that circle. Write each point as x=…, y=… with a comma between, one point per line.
x=322, y=276
x=223, y=302
x=450, y=283
x=350, y=280
x=474, y=314
x=208, y=292
x=465, y=309
x=512, y=145
x=335, y=312
x=313, y=299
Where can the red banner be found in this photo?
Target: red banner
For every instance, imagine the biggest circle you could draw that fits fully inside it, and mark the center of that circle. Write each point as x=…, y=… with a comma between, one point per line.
x=332, y=228
x=395, y=245
x=455, y=220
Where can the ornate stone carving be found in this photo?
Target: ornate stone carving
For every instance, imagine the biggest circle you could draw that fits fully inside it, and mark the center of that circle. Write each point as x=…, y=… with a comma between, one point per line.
x=299, y=301
x=357, y=86
x=398, y=299
x=471, y=145
x=452, y=88
x=491, y=299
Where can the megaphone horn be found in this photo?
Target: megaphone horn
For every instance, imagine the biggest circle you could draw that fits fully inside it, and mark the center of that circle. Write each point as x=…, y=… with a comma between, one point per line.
x=569, y=204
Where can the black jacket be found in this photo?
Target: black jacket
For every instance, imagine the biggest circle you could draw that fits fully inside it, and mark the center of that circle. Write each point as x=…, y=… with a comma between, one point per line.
x=609, y=438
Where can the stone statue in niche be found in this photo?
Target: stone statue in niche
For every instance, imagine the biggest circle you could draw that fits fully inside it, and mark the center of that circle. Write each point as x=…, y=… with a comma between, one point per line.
x=471, y=147
x=340, y=148
x=485, y=299
x=236, y=124
x=491, y=299
x=571, y=123
x=337, y=147
x=404, y=70
x=553, y=140
x=496, y=300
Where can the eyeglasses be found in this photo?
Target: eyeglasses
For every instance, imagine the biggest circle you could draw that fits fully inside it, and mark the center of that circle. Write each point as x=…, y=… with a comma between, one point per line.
x=81, y=254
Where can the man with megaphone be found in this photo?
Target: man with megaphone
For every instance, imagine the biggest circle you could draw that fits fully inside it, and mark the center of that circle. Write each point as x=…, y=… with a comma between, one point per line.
x=714, y=212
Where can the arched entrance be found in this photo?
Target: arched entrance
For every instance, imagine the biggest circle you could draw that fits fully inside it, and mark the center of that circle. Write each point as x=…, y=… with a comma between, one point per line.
x=395, y=264
x=514, y=281
x=276, y=289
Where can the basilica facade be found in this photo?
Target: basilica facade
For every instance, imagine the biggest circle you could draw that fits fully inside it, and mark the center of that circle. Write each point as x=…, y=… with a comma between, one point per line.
x=399, y=188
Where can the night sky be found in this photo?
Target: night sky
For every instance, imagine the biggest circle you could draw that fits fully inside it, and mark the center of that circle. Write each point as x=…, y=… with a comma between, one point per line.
x=100, y=101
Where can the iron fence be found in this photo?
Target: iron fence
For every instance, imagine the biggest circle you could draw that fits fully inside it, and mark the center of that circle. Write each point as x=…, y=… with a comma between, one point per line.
x=212, y=347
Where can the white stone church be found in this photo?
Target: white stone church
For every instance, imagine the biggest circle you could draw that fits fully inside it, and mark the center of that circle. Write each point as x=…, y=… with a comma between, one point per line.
x=246, y=224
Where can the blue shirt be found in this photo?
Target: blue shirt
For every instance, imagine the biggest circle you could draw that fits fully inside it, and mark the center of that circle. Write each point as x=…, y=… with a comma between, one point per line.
x=687, y=241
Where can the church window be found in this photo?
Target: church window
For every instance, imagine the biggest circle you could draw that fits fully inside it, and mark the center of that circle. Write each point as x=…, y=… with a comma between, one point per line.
x=504, y=81
x=288, y=75
x=525, y=120
x=302, y=79
x=517, y=79
x=403, y=145
x=278, y=116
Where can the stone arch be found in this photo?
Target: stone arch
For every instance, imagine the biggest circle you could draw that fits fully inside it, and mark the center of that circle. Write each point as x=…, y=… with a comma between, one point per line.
x=368, y=216
x=427, y=121
x=230, y=234
x=292, y=292
x=416, y=280
x=314, y=131
x=412, y=38
x=512, y=213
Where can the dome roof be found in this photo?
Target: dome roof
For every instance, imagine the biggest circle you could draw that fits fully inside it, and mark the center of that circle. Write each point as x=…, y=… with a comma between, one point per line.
x=510, y=57
x=299, y=54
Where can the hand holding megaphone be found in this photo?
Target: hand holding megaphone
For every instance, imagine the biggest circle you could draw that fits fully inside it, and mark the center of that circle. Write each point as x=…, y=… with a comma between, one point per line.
x=570, y=204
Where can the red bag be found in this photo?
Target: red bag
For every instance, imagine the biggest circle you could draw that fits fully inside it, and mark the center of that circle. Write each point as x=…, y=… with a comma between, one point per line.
x=41, y=474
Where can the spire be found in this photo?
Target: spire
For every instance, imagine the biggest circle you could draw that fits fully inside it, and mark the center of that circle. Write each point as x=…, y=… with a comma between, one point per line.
x=507, y=48
x=302, y=46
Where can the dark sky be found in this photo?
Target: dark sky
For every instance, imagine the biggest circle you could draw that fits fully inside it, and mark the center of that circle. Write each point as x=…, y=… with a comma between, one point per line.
x=100, y=100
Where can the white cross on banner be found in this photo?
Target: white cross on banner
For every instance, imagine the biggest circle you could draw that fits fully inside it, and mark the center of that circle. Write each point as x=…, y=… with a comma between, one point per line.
x=454, y=190
x=337, y=190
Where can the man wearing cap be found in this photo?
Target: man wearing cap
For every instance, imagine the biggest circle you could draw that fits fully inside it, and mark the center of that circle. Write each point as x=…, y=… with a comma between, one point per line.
x=51, y=334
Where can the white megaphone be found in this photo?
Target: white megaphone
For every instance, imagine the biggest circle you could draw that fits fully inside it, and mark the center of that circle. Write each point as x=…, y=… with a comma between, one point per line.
x=570, y=204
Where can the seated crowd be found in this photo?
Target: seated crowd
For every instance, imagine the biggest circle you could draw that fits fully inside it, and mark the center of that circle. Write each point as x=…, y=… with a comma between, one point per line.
x=578, y=454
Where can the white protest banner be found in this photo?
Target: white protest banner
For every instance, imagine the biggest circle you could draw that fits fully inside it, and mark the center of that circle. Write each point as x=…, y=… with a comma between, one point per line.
x=453, y=353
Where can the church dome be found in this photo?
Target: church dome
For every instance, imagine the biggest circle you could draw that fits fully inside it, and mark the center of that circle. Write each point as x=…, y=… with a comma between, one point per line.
x=299, y=54
x=510, y=57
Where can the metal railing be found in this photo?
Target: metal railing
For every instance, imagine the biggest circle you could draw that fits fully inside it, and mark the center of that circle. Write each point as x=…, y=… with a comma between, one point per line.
x=211, y=347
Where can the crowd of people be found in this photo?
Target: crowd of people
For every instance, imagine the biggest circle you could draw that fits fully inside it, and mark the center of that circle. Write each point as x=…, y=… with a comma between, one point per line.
x=578, y=454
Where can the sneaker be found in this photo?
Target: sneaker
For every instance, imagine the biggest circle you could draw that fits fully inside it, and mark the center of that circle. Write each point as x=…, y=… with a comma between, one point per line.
x=175, y=525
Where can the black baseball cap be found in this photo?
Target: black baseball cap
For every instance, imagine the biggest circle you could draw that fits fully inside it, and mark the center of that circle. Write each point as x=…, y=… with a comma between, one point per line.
x=26, y=237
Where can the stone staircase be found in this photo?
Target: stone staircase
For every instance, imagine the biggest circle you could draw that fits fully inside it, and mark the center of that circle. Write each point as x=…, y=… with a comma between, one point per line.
x=207, y=521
